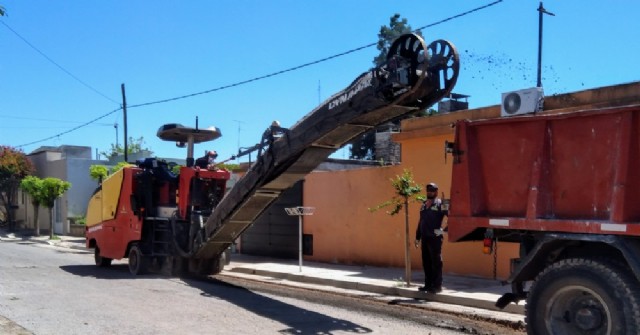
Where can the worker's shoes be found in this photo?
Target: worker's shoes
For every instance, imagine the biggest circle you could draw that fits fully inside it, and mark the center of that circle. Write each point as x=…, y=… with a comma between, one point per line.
x=432, y=290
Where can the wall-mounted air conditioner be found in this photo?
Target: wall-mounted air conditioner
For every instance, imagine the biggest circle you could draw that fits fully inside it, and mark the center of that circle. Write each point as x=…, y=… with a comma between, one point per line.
x=522, y=102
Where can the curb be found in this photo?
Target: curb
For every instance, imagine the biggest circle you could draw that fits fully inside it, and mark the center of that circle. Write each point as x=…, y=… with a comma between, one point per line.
x=56, y=243
x=383, y=290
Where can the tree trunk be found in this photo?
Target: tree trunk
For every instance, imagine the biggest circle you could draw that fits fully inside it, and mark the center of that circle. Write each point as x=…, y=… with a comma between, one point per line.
x=11, y=193
x=51, y=223
x=407, y=255
x=36, y=225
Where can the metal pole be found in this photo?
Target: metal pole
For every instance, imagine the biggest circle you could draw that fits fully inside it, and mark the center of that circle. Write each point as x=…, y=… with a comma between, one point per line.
x=541, y=11
x=124, y=110
x=300, y=242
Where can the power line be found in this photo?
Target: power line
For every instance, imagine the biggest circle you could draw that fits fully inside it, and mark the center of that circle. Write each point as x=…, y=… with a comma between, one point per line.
x=47, y=120
x=460, y=15
x=70, y=130
x=241, y=82
x=256, y=78
x=56, y=64
x=308, y=64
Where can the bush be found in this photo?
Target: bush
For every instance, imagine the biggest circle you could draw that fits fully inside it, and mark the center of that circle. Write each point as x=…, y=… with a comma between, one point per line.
x=79, y=220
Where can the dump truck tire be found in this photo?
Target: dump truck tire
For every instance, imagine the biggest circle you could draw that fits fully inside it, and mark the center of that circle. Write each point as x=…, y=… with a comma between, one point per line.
x=583, y=296
x=101, y=261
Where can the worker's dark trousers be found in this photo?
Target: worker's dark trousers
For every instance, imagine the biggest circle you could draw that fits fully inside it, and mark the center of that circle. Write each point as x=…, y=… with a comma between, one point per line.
x=432, y=262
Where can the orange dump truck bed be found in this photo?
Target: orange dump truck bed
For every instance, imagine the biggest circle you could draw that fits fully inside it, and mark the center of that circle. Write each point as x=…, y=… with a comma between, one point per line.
x=575, y=172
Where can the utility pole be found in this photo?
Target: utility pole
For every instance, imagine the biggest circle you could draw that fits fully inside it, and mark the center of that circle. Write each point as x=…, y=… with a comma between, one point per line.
x=541, y=11
x=239, y=128
x=124, y=112
x=115, y=125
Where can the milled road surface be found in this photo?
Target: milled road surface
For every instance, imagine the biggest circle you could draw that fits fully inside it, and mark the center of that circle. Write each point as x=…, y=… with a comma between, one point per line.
x=49, y=290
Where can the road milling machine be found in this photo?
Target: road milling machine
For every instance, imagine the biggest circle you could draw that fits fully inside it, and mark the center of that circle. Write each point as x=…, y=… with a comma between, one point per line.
x=186, y=222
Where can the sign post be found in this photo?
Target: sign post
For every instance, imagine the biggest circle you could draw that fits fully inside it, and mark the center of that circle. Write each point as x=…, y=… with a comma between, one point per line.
x=299, y=212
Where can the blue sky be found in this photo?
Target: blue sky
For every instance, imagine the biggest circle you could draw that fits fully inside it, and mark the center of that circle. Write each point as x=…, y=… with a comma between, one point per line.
x=167, y=49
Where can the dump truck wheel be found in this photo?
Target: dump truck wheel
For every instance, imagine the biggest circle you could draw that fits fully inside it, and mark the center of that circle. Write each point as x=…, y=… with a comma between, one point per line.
x=101, y=261
x=138, y=263
x=583, y=296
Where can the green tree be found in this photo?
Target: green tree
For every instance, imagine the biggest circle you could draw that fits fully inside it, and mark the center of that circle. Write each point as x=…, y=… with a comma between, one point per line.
x=52, y=189
x=406, y=191
x=133, y=146
x=32, y=185
x=3, y=12
x=397, y=27
x=14, y=166
x=118, y=167
x=98, y=172
x=364, y=146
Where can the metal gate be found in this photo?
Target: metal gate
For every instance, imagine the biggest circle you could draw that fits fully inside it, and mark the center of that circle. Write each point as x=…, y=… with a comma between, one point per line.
x=274, y=233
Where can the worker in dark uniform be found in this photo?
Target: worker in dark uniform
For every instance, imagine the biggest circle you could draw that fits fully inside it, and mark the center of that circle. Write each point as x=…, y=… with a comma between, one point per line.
x=429, y=232
x=208, y=160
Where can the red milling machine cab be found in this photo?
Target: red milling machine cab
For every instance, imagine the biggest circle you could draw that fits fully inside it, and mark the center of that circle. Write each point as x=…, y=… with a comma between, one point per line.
x=150, y=215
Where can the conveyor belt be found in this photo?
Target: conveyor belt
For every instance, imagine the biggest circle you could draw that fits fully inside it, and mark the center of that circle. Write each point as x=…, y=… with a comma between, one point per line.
x=403, y=85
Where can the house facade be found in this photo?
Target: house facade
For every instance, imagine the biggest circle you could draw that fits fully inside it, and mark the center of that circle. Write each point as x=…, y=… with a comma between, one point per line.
x=69, y=163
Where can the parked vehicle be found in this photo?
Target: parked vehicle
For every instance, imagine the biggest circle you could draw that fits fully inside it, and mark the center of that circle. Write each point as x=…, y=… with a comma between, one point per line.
x=566, y=188
x=188, y=221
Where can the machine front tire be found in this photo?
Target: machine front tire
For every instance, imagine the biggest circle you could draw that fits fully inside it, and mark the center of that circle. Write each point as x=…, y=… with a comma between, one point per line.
x=583, y=296
x=138, y=263
x=101, y=261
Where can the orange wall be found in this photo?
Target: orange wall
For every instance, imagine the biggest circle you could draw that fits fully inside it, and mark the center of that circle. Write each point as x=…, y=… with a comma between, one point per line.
x=345, y=231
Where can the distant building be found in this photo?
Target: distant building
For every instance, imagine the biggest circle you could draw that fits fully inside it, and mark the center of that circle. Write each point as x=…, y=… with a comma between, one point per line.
x=69, y=163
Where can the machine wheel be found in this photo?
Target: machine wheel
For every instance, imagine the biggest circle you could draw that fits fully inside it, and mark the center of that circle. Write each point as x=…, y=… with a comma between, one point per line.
x=180, y=267
x=444, y=62
x=101, y=261
x=206, y=266
x=138, y=263
x=583, y=296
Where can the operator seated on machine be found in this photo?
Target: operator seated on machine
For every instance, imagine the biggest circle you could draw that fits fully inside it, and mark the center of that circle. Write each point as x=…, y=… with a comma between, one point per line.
x=208, y=160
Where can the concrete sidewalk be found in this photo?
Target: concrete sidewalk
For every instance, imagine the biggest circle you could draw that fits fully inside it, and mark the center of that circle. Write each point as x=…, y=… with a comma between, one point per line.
x=457, y=290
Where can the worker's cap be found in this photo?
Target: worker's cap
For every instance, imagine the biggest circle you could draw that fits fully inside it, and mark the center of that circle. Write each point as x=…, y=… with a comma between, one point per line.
x=213, y=153
x=432, y=187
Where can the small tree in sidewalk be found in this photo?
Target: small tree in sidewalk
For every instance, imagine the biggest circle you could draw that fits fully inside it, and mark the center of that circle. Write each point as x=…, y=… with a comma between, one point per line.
x=406, y=191
x=52, y=189
x=33, y=185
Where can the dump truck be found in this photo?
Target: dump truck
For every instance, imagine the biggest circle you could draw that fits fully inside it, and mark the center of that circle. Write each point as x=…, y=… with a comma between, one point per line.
x=185, y=223
x=565, y=187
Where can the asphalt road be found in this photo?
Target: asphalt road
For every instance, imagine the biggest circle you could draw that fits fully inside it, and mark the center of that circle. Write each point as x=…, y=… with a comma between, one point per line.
x=49, y=290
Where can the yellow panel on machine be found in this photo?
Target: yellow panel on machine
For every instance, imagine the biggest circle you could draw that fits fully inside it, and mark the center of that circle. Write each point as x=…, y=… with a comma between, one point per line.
x=104, y=203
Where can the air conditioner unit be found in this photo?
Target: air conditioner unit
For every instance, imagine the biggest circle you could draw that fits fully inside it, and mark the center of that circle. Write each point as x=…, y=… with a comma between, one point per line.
x=522, y=102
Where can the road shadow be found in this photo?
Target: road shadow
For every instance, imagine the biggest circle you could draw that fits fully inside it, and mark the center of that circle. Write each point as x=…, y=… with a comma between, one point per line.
x=298, y=320
x=115, y=271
